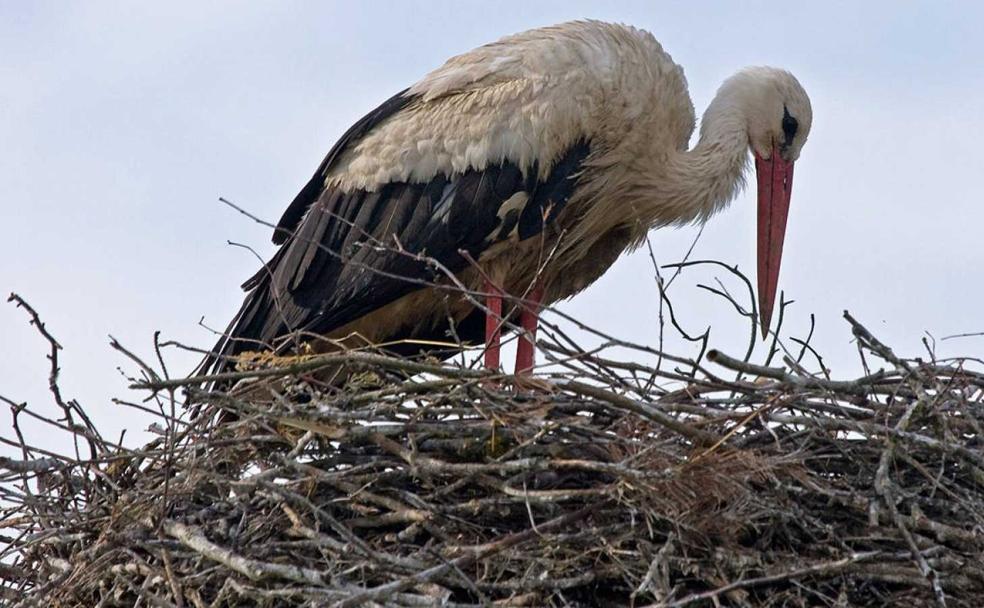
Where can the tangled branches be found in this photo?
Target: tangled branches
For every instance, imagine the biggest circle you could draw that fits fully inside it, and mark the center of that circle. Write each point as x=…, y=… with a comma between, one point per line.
x=594, y=483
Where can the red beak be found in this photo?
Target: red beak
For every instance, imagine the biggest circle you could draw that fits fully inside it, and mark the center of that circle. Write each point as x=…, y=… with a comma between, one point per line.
x=775, y=183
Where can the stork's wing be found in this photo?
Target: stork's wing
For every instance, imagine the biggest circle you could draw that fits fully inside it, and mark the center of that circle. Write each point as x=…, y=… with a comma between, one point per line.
x=349, y=251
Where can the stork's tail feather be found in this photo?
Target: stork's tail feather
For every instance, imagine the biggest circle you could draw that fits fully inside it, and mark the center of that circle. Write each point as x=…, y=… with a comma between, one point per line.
x=243, y=334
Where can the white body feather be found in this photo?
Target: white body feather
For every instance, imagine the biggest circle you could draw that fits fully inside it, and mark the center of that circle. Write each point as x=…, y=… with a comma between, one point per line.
x=527, y=98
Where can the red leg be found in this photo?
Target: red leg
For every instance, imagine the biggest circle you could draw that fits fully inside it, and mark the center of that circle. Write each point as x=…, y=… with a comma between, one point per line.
x=493, y=324
x=528, y=320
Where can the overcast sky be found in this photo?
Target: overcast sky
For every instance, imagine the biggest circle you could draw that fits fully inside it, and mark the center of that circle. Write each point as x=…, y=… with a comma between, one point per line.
x=122, y=123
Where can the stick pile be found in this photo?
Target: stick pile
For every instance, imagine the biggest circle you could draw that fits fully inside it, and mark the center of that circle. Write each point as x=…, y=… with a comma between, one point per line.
x=598, y=482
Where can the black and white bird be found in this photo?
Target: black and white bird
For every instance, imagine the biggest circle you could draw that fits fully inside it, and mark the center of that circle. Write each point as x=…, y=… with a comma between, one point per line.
x=524, y=168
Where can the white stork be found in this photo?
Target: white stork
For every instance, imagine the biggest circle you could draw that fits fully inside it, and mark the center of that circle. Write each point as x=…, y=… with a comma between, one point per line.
x=524, y=167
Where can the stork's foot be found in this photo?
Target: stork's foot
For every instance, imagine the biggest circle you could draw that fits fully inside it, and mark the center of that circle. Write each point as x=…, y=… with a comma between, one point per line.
x=493, y=324
x=529, y=319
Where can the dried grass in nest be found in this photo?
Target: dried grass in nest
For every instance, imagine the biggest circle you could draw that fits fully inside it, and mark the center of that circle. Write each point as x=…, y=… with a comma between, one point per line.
x=433, y=485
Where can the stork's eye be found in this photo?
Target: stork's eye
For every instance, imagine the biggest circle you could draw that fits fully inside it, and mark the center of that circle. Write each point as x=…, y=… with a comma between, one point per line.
x=789, y=125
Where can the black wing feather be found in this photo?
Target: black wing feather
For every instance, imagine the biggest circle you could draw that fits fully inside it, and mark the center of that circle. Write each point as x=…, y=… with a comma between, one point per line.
x=338, y=260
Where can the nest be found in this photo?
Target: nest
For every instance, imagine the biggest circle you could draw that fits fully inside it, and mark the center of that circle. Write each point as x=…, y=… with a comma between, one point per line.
x=598, y=483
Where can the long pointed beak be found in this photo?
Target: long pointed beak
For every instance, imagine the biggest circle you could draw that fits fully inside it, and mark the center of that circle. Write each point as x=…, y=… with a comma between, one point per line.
x=775, y=184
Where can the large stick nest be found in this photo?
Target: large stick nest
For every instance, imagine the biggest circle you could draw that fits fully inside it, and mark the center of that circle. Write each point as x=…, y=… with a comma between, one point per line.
x=596, y=484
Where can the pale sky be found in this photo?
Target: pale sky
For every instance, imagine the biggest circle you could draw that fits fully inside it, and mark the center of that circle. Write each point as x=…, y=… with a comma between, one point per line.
x=122, y=123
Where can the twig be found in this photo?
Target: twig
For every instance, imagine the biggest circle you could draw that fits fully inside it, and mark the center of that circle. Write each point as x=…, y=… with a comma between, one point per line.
x=824, y=568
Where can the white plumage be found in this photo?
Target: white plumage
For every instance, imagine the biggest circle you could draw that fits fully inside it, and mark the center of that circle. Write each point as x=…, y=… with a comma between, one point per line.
x=526, y=98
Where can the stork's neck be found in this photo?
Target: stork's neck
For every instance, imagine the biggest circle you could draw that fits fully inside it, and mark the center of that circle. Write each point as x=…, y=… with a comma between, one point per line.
x=699, y=182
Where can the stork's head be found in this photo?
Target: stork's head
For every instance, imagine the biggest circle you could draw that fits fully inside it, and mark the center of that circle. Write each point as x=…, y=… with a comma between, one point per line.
x=777, y=110
x=779, y=116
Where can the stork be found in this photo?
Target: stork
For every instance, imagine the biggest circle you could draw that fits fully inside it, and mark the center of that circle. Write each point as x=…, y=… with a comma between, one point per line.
x=518, y=171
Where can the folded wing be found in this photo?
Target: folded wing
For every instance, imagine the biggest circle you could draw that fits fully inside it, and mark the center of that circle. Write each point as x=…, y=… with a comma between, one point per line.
x=349, y=247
